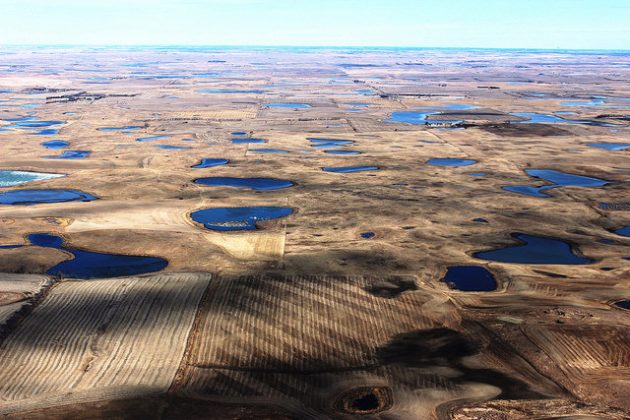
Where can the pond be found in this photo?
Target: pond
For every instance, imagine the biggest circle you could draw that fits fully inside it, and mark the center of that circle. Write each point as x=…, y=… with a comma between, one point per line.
x=91, y=265
x=55, y=144
x=210, y=162
x=151, y=138
x=12, y=178
x=39, y=196
x=557, y=179
x=624, y=231
x=470, y=278
x=71, y=154
x=350, y=169
x=269, y=150
x=451, y=162
x=535, y=250
x=124, y=128
x=287, y=105
x=248, y=140
x=238, y=218
x=536, y=118
x=610, y=146
x=258, y=184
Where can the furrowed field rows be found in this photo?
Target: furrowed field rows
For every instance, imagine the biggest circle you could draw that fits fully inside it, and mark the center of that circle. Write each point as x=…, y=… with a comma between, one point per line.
x=100, y=339
x=295, y=325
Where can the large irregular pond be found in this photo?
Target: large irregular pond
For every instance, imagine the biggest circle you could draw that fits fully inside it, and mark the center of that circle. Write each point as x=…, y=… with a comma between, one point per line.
x=238, y=218
x=535, y=250
x=30, y=197
x=258, y=184
x=536, y=118
x=557, y=178
x=470, y=278
x=426, y=115
x=11, y=178
x=90, y=265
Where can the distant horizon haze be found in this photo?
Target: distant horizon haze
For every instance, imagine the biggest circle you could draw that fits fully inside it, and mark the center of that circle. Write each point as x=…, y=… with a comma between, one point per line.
x=457, y=24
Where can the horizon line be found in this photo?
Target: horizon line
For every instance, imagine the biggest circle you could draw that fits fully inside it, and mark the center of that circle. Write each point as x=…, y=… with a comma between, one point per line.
x=13, y=45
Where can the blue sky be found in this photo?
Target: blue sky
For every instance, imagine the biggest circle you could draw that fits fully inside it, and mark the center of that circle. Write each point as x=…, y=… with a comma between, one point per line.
x=580, y=24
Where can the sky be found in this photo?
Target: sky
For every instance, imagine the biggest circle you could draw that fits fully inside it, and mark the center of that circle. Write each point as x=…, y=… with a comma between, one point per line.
x=564, y=24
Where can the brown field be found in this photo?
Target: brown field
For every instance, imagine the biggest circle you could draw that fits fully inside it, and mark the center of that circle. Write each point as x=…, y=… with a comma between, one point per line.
x=303, y=317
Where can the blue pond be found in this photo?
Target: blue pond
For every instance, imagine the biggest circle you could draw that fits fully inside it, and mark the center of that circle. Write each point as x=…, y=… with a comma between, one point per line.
x=535, y=250
x=424, y=114
x=210, y=162
x=125, y=128
x=342, y=152
x=90, y=265
x=477, y=174
x=367, y=235
x=141, y=139
x=557, y=178
x=248, y=140
x=253, y=91
x=29, y=197
x=47, y=132
x=623, y=304
x=598, y=102
x=322, y=143
x=591, y=102
x=350, y=169
x=269, y=150
x=71, y=154
x=536, y=118
x=451, y=162
x=258, y=184
x=17, y=119
x=238, y=218
x=611, y=146
x=238, y=133
x=287, y=105
x=470, y=278
x=36, y=124
x=624, y=231
x=55, y=144
x=170, y=147
x=11, y=178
